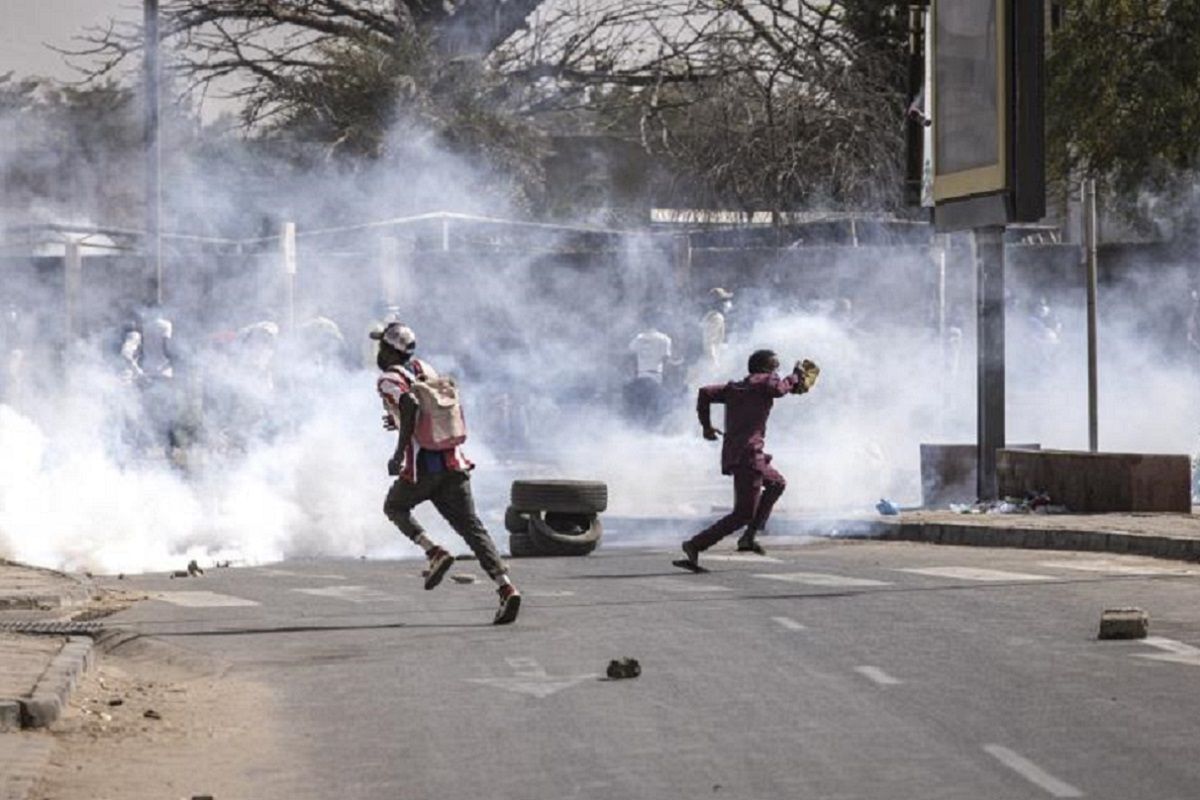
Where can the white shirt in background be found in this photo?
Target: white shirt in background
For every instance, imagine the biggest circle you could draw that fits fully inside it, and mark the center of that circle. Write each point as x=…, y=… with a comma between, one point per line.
x=652, y=348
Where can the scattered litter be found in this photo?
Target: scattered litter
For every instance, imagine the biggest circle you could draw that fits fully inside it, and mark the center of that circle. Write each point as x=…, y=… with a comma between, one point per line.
x=180, y=573
x=1124, y=623
x=887, y=508
x=152, y=714
x=463, y=578
x=202, y=797
x=194, y=569
x=1032, y=503
x=622, y=668
x=116, y=701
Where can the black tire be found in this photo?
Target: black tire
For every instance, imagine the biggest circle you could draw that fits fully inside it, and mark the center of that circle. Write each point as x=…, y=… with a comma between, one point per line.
x=520, y=545
x=516, y=521
x=568, y=497
x=565, y=534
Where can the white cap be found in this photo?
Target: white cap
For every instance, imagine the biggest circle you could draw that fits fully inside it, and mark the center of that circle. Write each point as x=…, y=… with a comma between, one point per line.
x=397, y=335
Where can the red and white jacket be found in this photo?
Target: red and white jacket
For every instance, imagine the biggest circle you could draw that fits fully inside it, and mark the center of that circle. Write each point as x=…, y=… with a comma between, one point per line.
x=394, y=384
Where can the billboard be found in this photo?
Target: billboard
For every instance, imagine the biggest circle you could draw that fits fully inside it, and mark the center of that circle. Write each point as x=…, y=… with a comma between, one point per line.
x=971, y=98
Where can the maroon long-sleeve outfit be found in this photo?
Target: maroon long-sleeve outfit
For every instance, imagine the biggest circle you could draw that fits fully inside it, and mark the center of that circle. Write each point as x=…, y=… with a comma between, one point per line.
x=756, y=484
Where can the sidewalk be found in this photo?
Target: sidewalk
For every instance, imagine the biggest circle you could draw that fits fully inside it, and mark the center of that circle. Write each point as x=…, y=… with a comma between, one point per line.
x=37, y=672
x=1174, y=536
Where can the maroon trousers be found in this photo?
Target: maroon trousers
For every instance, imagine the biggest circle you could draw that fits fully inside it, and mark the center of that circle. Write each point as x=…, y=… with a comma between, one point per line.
x=754, y=494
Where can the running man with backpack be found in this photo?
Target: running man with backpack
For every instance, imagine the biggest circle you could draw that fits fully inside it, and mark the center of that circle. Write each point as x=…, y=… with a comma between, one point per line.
x=428, y=463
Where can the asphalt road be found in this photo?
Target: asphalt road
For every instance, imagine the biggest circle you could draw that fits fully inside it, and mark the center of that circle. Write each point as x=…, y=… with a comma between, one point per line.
x=833, y=670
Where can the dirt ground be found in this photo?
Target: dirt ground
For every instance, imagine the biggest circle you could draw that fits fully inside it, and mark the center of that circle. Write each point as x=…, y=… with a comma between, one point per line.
x=145, y=723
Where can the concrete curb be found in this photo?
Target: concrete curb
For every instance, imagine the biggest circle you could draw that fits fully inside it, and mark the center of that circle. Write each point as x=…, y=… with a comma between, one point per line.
x=1182, y=549
x=69, y=591
x=45, y=703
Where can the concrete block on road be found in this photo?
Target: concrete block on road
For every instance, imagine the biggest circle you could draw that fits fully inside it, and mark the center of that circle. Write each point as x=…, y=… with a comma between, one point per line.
x=1099, y=482
x=1124, y=623
x=10, y=716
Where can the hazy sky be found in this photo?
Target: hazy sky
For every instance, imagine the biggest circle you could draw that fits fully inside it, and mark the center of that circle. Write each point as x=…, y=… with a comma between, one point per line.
x=27, y=26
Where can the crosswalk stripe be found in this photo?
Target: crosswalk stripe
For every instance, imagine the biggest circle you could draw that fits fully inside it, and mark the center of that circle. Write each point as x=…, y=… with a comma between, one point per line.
x=745, y=558
x=878, y=676
x=975, y=574
x=819, y=579
x=1114, y=567
x=684, y=585
x=351, y=594
x=789, y=623
x=203, y=599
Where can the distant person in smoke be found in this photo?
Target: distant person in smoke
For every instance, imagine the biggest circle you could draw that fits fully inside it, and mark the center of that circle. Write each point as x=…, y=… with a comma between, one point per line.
x=146, y=349
x=756, y=484
x=429, y=465
x=651, y=350
x=1193, y=328
x=713, y=325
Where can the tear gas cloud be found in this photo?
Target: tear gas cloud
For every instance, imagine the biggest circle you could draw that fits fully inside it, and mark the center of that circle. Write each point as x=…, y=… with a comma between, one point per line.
x=276, y=450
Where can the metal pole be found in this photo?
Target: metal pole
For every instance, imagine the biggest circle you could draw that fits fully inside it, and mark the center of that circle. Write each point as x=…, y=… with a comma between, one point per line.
x=389, y=269
x=989, y=299
x=287, y=246
x=1091, y=235
x=153, y=189
x=939, y=254
x=72, y=275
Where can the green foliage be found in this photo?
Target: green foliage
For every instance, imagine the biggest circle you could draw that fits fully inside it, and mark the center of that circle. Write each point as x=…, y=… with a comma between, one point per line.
x=1123, y=95
x=372, y=102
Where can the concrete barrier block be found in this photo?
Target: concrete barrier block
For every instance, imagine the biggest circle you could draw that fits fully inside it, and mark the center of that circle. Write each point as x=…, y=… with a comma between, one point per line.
x=1098, y=482
x=1124, y=623
x=10, y=716
x=948, y=473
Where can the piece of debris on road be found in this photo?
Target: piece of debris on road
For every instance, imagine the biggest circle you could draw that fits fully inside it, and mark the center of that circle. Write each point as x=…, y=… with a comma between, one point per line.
x=463, y=578
x=622, y=668
x=1124, y=623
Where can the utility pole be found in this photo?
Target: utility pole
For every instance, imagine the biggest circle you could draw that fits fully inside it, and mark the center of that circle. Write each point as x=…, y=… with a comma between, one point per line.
x=989, y=299
x=1091, y=235
x=153, y=188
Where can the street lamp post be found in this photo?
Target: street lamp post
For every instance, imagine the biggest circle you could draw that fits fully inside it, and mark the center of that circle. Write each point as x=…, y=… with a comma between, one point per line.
x=153, y=188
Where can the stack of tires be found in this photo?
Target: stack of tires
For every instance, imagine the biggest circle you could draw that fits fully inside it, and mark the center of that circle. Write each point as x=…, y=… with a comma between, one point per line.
x=555, y=517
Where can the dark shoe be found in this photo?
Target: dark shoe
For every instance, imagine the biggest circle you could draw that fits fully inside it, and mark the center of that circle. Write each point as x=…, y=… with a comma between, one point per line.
x=692, y=562
x=748, y=544
x=510, y=605
x=439, y=564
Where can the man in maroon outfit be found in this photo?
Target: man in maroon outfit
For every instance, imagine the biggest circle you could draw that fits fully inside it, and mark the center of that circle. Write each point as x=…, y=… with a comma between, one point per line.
x=756, y=484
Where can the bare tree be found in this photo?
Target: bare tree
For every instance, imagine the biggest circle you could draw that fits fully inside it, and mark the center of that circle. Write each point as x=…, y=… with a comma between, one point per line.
x=251, y=49
x=767, y=103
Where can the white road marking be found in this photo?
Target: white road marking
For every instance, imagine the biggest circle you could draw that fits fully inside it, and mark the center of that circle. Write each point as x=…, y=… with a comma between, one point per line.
x=1174, y=652
x=287, y=573
x=819, y=579
x=976, y=574
x=745, y=558
x=202, y=599
x=1115, y=567
x=530, y=677
x=790, y=623
x=1031, y=772
x=684, y=585
x=878, y=675
x=561, y=593
x=352, y=594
